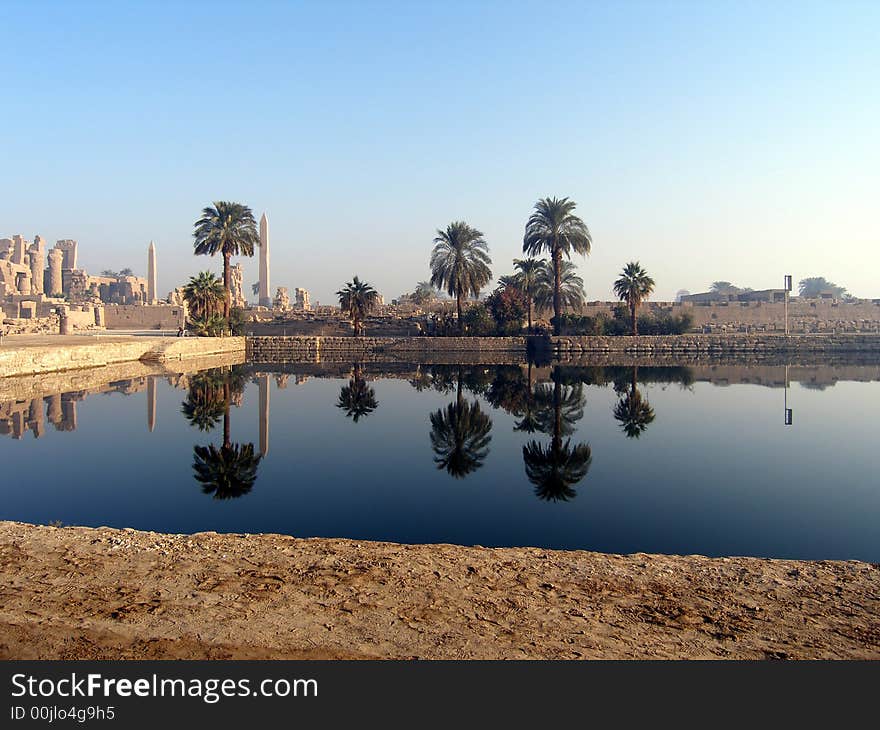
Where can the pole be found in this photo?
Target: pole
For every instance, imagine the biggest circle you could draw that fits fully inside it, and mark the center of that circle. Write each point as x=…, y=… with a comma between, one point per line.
x=786, y=312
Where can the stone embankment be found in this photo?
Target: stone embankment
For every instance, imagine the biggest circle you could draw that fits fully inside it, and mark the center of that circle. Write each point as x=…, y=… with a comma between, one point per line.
x=709, y=345
x=32, y=356
x=514, y=349
x=383, y=349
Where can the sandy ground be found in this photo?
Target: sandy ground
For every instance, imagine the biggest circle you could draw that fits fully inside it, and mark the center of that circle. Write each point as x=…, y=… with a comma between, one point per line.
x=81, y=593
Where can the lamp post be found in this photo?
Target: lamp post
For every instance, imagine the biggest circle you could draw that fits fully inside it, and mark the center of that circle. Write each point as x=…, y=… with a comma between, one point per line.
x=787, y=287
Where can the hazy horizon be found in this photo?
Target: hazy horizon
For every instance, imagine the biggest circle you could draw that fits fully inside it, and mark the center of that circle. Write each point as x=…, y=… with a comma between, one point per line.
x=713, y=141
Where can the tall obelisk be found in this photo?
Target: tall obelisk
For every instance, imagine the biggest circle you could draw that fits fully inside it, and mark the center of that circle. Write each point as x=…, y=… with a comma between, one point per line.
x=151, y=274
x=265, y=296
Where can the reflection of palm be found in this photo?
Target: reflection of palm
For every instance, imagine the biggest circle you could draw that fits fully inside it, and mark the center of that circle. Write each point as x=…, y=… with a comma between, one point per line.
x=231, y=470
x=554, y=469
x=227, y=472
x=632, y=411
x=203, y=407
x=357, y=399
x=460, y=436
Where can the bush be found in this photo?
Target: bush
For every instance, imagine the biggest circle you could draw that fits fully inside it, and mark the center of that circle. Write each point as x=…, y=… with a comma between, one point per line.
x=478, y=322
x=582, y=324
x=508, y=308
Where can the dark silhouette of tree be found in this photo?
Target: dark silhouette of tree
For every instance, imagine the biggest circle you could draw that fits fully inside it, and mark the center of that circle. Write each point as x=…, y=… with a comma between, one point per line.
x=357, y=399
x=357, y=299
x=231, y=470
x=555, y=468
x=632, y=411
x=633, y=287
x=204, y=406
x=460, y=436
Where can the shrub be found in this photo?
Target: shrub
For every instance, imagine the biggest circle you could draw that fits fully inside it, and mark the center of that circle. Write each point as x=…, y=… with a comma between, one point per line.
x=508, y=308
x=478, y=322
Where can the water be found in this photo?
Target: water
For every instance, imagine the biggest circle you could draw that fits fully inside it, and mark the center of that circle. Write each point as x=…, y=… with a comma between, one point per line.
x=665, y=460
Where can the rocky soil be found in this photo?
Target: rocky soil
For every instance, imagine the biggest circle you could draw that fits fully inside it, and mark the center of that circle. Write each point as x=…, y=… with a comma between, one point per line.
x=82, y=593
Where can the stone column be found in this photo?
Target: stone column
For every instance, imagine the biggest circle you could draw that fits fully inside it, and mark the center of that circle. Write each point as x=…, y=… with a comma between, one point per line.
x=265, y=296
x=151, y=274
x=18, y=250
x=264, y=414
x=100, y=319
x=53, y=410
x=151, y=403
x=55, y=284
x=35, y=417
x=63, y=321
x=36, y=259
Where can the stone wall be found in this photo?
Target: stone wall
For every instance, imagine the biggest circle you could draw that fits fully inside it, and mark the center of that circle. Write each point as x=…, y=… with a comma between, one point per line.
x=71, y=353
x=340, y=349
x=808, y=315
x=513, y=349
x=708, y=344
x=143, y=317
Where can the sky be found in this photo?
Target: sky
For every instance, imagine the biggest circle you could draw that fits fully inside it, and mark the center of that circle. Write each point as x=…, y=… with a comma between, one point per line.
x=706, y=140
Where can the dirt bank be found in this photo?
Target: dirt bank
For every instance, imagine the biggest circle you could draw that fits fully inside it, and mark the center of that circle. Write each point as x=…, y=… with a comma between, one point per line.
x=84, y=593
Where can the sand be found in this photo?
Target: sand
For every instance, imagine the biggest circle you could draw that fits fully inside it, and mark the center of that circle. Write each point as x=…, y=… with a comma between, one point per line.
x=83, y=593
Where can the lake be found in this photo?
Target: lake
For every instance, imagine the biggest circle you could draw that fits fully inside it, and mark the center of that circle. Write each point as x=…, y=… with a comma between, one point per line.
x=714, y=460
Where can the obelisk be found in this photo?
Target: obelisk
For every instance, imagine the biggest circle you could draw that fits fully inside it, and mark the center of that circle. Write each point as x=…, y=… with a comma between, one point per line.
x=151, y=403
x=265, y=296
x=151, y=274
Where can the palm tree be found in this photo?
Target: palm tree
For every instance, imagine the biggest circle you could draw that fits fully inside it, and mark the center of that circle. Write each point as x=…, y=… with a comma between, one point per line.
x=204, y=295
x=423, y=293
x=460, y=262
x=571, y=286
x=460, y=436
x=358, y=299
x=555, y=468
x=527, y=280
x=632, y=411
x=228, y=229
x=357, y=399
x=231, y=470
x=553, y=227
x=633, y=287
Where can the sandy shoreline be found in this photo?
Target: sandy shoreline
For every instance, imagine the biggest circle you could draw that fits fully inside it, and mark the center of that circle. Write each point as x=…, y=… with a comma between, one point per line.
x=83, y=593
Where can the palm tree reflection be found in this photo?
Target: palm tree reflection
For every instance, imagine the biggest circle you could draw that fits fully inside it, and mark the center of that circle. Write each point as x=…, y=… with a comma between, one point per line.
x=357, y=399
x=460, y=435
x=632, y=411
x=555, y=468
x=230, y=470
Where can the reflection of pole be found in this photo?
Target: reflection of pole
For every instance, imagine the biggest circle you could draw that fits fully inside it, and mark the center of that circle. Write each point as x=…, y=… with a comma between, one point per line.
x=788, y=419
x=151, y=403
x=263, y=382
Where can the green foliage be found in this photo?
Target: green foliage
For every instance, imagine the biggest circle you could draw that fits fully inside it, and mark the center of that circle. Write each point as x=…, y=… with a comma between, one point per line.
x=460, y=262
x=213, y=325
x=204, y=295
x=357, y=298
x=237, y=321
x=477, y=321
x=508, y=308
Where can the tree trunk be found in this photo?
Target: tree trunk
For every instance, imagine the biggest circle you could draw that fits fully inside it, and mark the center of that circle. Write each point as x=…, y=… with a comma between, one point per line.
x=227, y=284
x=226, y=398
x=557, y=284
x=460, y=320
x=635, y=328
x=530, y=314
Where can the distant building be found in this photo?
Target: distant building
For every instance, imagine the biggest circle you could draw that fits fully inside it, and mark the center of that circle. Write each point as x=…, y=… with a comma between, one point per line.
x=711, y=297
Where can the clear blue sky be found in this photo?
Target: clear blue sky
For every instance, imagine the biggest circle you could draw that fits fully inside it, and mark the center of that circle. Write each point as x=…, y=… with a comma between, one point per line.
x=709, y=140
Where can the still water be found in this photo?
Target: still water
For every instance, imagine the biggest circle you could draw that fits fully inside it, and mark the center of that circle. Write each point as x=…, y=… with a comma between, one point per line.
x=614, y=459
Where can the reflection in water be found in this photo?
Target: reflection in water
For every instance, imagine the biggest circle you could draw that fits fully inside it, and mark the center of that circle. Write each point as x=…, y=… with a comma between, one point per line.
x=460, y=435
x=151, y=404
x=357, y=399
x=632, y=411
x=555, y=468
x=231, y=470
